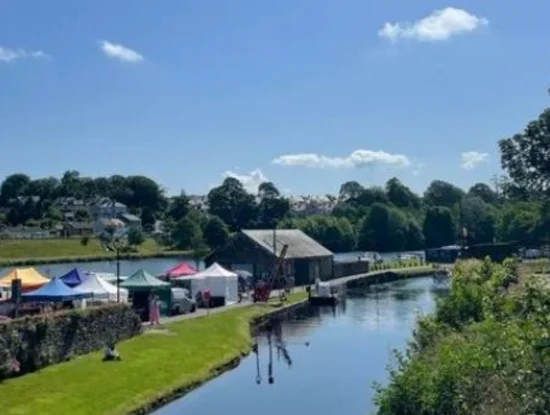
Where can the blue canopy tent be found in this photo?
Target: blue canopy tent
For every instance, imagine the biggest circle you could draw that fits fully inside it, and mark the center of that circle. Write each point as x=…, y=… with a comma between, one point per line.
x=74, y=277
x=55, y=291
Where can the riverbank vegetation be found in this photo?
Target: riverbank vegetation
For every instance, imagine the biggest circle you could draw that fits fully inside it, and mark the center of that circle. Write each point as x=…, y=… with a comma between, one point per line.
x=153, y=365
x=486, y=350
x=513, y=208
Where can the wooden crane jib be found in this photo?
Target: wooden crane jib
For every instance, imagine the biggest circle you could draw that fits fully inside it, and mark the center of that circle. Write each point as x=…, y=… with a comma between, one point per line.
x=264, y=292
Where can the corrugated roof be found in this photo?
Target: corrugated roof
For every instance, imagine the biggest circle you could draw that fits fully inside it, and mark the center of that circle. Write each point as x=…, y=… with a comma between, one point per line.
x=299, y=244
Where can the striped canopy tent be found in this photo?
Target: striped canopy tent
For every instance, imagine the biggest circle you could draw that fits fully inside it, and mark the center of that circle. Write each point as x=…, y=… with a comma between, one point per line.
x=30, y=278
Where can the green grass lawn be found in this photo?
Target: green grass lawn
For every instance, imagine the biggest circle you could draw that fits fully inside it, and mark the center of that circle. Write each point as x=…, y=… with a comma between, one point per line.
x=51, y=249
x=153, y=365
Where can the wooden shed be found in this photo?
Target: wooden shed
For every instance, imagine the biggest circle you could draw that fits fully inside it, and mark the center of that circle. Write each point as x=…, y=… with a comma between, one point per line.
x=256, y=251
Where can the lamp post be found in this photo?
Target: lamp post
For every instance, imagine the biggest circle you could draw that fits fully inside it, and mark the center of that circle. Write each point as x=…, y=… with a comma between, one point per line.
x=117, y=245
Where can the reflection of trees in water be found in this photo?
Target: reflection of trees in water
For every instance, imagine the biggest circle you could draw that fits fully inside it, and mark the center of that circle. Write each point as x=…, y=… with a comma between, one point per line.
x=408, y=294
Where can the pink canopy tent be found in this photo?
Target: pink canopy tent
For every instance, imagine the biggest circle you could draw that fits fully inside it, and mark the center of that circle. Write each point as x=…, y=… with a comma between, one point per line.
x=181, y=270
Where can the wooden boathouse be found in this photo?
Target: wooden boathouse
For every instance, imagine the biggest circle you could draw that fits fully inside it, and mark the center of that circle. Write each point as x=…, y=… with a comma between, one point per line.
x=256, y=251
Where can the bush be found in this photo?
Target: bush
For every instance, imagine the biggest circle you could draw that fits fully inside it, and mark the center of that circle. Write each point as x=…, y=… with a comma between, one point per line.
x=486, y=350
x=32, y=343
x=135, y=236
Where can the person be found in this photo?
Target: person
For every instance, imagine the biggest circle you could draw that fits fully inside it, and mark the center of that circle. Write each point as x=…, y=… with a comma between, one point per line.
x=155, y=307
x=111, y=354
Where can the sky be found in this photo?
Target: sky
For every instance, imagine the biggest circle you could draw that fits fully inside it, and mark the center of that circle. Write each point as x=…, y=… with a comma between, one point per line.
x=307, y=94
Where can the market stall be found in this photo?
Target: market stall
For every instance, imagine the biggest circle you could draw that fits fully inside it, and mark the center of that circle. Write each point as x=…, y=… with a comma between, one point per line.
x=74, y=277
x=102, y=290
x=222, y=284
x=140, y=286
x=30, y=278
x=55, y=291
x=181, y=270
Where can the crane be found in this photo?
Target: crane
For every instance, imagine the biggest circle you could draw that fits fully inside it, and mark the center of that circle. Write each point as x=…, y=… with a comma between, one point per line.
x=262, y=292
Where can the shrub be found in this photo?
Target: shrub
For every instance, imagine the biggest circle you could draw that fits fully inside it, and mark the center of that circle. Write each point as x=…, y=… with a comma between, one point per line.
x=34, y=342
x=484, y=351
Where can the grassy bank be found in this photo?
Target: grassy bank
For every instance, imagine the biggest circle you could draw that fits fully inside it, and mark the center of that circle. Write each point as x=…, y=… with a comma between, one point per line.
x=154, y=365
x=51, y=251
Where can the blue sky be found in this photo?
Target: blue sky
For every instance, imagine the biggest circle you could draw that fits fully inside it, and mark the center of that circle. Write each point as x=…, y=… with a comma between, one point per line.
x=305, y=93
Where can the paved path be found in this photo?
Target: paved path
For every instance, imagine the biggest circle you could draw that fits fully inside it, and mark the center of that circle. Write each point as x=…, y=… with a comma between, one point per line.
x=202, y=312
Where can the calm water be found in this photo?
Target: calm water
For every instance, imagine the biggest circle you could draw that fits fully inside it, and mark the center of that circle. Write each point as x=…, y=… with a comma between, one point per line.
x=154, y=266
x=349, y=348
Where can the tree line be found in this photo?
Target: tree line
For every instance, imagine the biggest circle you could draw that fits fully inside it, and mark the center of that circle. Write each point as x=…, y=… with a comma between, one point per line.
x=387, y=218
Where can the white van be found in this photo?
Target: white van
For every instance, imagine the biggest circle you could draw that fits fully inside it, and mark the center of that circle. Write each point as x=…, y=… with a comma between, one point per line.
x=182, y=302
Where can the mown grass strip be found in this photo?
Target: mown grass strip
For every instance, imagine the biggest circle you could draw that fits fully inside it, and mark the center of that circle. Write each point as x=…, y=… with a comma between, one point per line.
x=50, y=251
x=153, y=365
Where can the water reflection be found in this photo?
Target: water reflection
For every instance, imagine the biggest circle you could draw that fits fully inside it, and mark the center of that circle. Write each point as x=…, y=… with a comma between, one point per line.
x=320, y=356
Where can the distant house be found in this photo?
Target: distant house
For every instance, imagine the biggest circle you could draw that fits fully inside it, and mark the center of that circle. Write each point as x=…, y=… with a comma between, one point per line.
x=106, y=208
x=73, y=228
x=257, y=250
x=131, y=221
x=69, y=204
x=102, y=225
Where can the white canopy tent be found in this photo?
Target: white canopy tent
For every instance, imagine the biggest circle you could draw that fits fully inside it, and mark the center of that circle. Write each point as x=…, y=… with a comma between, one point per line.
x=220, y=281
x=102, y=290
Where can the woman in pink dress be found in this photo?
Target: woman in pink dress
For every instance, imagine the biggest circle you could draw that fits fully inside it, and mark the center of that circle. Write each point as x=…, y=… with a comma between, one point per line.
x=156, y=310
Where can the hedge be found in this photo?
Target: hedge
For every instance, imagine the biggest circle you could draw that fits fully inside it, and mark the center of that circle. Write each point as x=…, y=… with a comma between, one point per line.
x=31, y=343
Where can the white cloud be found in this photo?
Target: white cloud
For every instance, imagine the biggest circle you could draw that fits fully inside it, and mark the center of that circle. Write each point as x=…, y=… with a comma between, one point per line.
x=8, y=55
x=440, y=25
x=359, y=158
x=250, y=181
x=120, y=52
x=471, y=159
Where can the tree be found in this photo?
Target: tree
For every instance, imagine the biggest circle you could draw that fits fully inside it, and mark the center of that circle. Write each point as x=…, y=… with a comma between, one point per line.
x=187, y=234
x=525, y=157
x=440, y=193
x=135, y=236
x=215, y=232
x=13, y=186
x=350, y=190
x=70, y=184
x=383, y=229
x=232, y=204
x=521, y=222
x=268, y=189
x=415, y=237
x=484, y=191
x=45, y=188
x=371, y=195
x=179, y=207
x=439, y=227
x=478, y=220
x=400, y=195
x=336, y=234
x=144, y=193
x=272, y=207
x=82, y=215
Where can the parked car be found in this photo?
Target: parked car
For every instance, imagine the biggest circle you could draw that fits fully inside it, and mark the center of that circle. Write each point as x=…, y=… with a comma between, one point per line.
x=182, y=302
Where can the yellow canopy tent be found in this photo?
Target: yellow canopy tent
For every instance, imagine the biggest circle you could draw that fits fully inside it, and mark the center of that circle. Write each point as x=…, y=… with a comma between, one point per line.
x=30, y=278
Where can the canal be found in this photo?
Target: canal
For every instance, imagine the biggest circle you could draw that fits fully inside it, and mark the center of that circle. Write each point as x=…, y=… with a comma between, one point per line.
x=336, y=356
